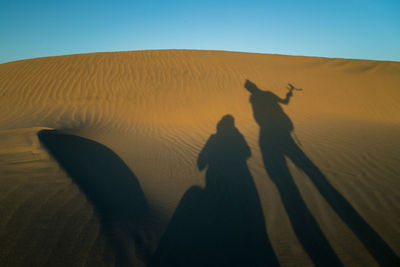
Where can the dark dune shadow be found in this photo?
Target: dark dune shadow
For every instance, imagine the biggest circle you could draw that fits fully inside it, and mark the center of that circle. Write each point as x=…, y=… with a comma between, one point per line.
x=276, y=143
x=222, y=224
x=111, y=187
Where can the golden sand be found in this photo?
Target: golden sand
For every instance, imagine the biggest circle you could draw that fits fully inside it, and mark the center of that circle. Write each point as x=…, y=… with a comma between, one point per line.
x=156, y=110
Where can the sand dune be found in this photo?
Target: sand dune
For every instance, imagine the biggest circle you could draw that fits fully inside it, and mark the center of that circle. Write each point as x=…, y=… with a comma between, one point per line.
x=156, y=110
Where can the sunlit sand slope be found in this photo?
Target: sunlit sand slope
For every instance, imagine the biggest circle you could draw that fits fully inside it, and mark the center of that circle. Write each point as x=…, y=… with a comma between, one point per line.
x=157, y=109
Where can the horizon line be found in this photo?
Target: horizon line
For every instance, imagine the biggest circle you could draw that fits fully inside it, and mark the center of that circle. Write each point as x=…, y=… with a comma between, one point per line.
x=198, y=49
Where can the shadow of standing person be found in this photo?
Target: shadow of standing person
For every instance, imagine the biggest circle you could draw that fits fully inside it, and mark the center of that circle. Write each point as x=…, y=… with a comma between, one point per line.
x=222, y=224
x=276, y=143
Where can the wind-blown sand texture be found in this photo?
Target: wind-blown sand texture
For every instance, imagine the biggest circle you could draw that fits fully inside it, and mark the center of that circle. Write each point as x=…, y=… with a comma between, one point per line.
x=137, y=122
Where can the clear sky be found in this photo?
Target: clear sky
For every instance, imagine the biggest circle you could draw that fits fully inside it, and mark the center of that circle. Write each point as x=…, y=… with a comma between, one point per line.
x=363, y=29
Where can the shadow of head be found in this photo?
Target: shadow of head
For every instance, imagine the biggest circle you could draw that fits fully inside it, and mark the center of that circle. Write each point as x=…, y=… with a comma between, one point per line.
x=226, y=124
x=251, y=87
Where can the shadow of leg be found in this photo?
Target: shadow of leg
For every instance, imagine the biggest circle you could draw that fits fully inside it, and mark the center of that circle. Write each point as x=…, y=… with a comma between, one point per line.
x=382, y=253
x=304, y=225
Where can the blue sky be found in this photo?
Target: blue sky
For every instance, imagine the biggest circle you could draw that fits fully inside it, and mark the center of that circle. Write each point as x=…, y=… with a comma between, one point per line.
x=367, y=29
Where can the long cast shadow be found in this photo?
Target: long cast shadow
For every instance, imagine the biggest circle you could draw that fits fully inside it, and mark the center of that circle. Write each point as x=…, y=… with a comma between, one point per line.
x=111, y=187
x=276, y=143
x=222, y=224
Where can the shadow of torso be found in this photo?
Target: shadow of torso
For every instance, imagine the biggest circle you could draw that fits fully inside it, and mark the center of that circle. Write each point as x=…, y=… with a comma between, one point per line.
x=269, y=114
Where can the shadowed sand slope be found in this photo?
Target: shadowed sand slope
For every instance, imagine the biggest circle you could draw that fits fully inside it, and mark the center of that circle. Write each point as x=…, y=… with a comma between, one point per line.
x=113, y=190
x=330, y=178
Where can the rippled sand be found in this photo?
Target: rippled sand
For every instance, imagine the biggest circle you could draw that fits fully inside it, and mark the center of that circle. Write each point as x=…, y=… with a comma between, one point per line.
x=156, y=110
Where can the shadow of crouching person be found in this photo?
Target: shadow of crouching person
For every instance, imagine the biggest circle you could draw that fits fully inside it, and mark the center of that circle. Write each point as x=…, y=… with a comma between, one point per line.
x=222, y=224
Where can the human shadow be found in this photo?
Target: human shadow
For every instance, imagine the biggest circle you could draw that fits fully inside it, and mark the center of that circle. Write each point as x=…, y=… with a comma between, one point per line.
x=276, y=144
x=113, y=190
x=222, y=224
